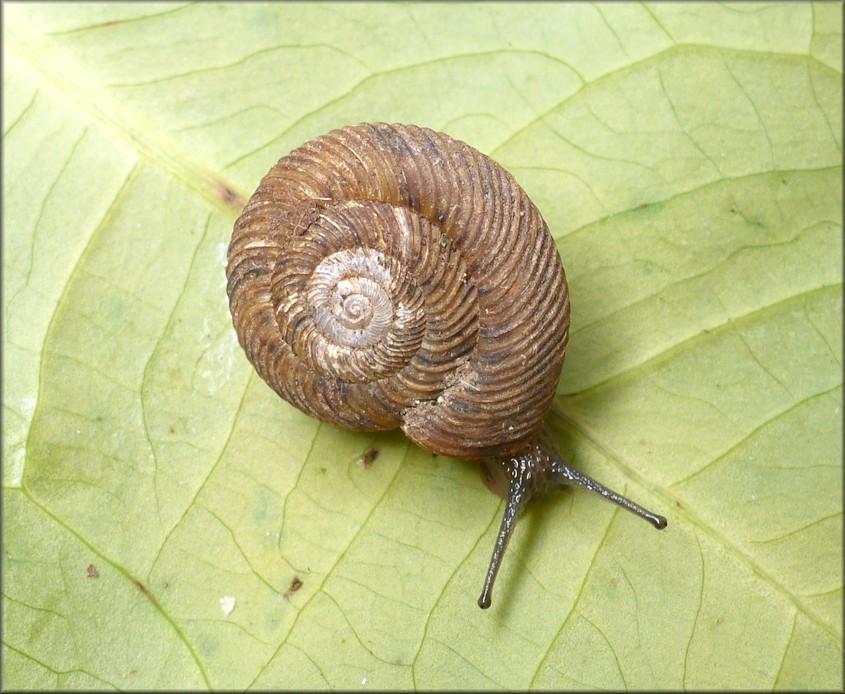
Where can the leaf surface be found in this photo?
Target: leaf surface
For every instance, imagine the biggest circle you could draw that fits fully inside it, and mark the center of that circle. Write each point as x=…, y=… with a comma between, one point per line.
x=161, y=504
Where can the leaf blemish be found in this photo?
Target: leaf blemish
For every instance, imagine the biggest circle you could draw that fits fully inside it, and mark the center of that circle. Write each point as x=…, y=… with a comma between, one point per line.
x=112, y=23
x=295, y=585
x=227, y=604
x=369, y=457
x=228, y=196
x=144, y=590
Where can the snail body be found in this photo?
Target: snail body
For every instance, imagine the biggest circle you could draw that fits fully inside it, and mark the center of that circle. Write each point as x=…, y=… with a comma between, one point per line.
x=387, y=276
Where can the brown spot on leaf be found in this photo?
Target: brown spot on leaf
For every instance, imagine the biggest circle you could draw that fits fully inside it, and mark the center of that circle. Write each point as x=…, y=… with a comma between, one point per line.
x=228, y=196
x=295, y=585
x=144, y=590
x=370, y=457
x=92, y=571
x=112, y=23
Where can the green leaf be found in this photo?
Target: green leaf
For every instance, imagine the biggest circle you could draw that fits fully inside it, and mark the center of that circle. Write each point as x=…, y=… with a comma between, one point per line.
x=160, y=500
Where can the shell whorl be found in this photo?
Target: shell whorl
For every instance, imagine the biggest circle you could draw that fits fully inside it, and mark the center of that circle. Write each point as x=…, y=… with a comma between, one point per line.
x=389, y=275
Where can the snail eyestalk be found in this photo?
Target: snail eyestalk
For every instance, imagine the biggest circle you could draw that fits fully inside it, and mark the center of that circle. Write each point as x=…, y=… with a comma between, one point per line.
x=564, y=475
x=521, y=490
x=530, y=475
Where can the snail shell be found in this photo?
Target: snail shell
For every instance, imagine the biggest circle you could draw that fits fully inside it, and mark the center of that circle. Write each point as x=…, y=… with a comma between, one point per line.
x=387, y=276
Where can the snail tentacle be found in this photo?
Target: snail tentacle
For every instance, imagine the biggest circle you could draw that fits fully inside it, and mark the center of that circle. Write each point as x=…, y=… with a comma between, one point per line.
x=531, y=474
x=564, y=476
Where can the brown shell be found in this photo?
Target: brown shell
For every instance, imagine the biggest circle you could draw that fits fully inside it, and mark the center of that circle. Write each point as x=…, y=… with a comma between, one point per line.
x=389, y=275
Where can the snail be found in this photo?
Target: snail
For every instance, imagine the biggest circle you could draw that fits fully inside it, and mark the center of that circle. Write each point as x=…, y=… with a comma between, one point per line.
x=387, y=276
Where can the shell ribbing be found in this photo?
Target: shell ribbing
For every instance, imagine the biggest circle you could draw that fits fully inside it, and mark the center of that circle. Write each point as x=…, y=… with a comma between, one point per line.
x=388, y=275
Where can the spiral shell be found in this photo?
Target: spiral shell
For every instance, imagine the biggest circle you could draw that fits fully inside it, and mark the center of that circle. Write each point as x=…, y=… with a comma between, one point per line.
x=389, y=275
